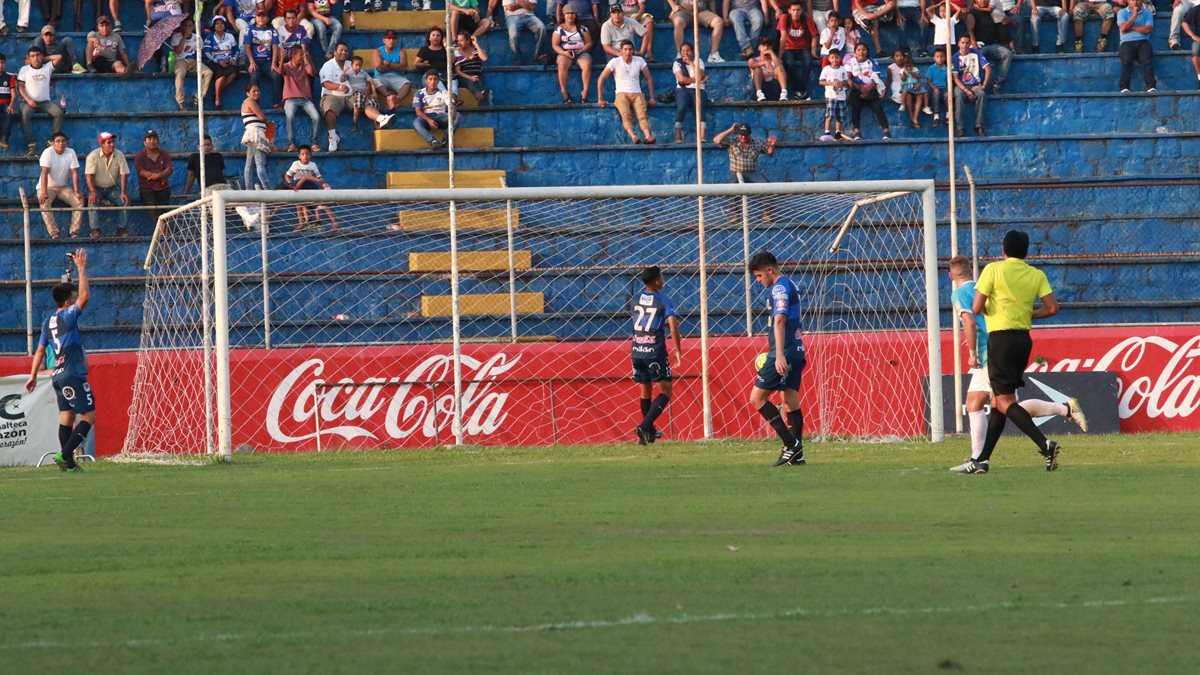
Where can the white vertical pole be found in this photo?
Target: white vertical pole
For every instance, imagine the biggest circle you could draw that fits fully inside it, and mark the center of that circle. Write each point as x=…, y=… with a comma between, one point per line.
x=933, y=329
x=28, y=272
x=950, y=126
x=974, y=232
x=221, y=317
x=199, y=97
x=746, y=283
x=512, y=272
x=266, y=284
x=706, y=395
x=206, y=303
x=456, y=316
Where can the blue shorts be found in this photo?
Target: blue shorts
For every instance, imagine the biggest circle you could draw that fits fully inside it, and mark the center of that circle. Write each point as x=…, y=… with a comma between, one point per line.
x=74, y=394
x=771, y=381
x=655, y=370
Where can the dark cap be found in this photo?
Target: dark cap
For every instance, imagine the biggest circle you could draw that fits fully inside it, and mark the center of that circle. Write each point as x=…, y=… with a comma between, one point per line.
x=389, y=33
x=615, y=9
x=741, y=129
x=151, y=134
x=103, y=19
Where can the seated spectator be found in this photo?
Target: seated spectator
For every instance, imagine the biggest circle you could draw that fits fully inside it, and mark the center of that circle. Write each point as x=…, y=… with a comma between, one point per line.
x=1136, y=23
x=585, y=15
x=52, y=12
x=635, y=11
x=214, y=169
x=239, y=14
x=362, y=92
x=183, y=44
x=255, y=138
x=945, y=18
x=466, y=18
x=1081, y=10
x=797, y=41
x=468, y=67
x=935, y=77
x=220, y=56
x=261, y=49
x=60, y=181
x=290, y=34
x=433, y=55
x=303, y=174
x=33, y=84
x=106, y=50
x=1053, y=9
x=833, y=38
x=154, y=170
x=767, y=73
x=747, y=18
x=390, y=62
x=853, y=36
x=298, y=73
x=157, y=10
x=1179, y=10
x=869, y=15
x=432, y=107
x=573, y=45
x=618, y=29
x=744, y=152
x=1191, y=26
x=690, y=79
x=519, y=14
x=22, y=18
x=282, y=7
x=994, y=38
x=328, y=28
x=971, y=72
x=866, y=90
x=107, y=175
x=681, y=17
x=836, y=81
x=627, y=69
x=893, y=80
x=335, y=92
x=910, y=21
x=60, y=53
x=8, y=101
x=915, y=93
x=1008, y=13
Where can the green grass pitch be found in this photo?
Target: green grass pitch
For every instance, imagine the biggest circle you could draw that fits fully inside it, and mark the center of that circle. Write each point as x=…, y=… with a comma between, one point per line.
x=678, y=558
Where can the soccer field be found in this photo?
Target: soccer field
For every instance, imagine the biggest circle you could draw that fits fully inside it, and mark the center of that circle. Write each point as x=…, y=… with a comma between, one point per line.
x=675, y=558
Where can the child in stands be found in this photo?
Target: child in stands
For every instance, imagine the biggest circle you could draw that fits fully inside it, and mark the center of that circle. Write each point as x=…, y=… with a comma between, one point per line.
x=836, y=82
x=935, y=77
x=914, y=92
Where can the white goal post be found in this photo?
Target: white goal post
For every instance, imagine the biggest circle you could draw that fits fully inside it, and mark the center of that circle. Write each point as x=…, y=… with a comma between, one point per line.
x=310, y=295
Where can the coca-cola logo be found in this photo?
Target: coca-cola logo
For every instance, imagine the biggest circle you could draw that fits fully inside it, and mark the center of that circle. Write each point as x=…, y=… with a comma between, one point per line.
x=1172, y=392
x=410, y=405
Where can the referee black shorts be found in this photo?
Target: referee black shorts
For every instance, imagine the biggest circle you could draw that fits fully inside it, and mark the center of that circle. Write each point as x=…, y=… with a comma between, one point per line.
x=1008, y=354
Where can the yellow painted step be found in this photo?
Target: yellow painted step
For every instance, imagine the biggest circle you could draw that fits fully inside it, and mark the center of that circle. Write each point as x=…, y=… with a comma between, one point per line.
x=415, y=78
x=407, y=20
x=484, y=304
x=474, y=261
x=468, y=219
x=416, y=180
x=408, y=139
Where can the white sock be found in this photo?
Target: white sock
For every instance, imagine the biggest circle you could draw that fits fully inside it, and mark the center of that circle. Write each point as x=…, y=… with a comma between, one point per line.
x=978, y=421
x=1039, y=408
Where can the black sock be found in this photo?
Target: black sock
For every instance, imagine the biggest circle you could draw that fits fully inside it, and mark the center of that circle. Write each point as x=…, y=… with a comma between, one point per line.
x=68, y=451
x=996, y=422
x=796, y=423
x=655, y=409
x=64, y=435
x=770, y=413
x=1024, y=422
x=645, y=404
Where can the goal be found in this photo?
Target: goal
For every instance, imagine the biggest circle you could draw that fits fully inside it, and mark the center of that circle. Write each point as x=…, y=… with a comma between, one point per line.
x=418, y=318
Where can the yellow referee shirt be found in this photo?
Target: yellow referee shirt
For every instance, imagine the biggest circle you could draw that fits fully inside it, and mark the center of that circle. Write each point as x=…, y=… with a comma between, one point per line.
x=1011, y=286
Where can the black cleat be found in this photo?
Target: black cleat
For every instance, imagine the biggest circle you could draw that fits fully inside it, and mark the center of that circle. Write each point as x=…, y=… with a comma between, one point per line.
x=788, y=453
x=644, y=437
x=971, y=467
x=1050, y=454
x=797, y=459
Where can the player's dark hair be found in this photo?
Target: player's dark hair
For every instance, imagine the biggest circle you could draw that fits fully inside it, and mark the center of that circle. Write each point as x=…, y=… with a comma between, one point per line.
x=762, y=260
x=960, y=267
x=62, y=293
x=1016, y=244
x=651, y=274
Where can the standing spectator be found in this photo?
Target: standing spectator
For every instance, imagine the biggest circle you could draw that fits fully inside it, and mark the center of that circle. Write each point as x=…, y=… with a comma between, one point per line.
x=214, y=169
x=8, y=102
x=971, y=72
x=390, y=61
x=945, y=18
x=432, y=107
x=1179, y=10
x=239, y=14
x=33, y=83
x=282, y=7
x=334, y=91
x=261, y=49
x=833, y=38
x=255, y=138
x=797, y=37
x=821, y=10
x=1081, y=10
x=747, y=18
x=60, y=53
x=1191, y=26
x=220, y=56
x=298, y=73
x=982, y=28
x=107, y=175
x=635, y=10
x=154, y=171
x=432, y=56
x=910, y=19
x=290, y=34
x=1136, y=22
x=519, y=14
x=157, y=10
x=466, y=18
x=303, y=174
x=836, y=82
x=468, y=67
x=183, y=44
x=866, y=90
x=573, y=44
x=328, y=28
x=362, y=92
x=1054, y=9
x=767, y=74
x=22, y=17
x=744, y=152
x=626, y=70
x=869, y=16
x=936, y=77
x=106, y=50
x=618, y=29
x=690, y=79
x=60, y=181
x=681, y=17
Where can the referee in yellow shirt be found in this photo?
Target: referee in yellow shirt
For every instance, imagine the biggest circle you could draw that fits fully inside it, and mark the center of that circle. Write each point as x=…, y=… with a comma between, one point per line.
x=1005, y=294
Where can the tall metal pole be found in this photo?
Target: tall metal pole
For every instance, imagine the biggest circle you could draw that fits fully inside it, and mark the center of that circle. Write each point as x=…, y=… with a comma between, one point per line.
x=950, y=125
x=974, y=224
x=221, y=317
x=206, y=304
x=706, y=395
x=455, y=309
x=933, y=330
x=28, y=272
x=199, y=98
x=266, y=282
x=512, y=272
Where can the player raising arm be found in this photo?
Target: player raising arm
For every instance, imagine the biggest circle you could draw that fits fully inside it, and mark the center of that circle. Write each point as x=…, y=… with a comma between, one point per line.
x=651, y=312
x=785, y=359
x=60, y=330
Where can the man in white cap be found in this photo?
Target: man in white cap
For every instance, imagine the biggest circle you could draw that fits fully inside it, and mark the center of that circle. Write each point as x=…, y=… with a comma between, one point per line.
x=107, y=175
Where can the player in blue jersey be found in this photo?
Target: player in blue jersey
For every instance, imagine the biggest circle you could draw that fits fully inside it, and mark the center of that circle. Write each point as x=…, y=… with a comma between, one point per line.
x=60, y=332
x=979, y=391
x=785, y=359
x=652, y=313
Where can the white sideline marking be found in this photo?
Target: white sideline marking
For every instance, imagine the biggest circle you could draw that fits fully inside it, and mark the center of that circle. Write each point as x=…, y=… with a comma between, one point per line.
x=635, y=620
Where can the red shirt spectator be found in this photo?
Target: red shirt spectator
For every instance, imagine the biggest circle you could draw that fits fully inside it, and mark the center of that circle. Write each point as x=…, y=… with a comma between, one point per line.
x=157, y=165
x=282, y=6
x=796, y=34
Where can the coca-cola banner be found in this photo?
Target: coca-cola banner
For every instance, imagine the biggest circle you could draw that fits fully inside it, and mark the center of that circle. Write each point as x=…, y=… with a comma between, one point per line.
x=535, y=394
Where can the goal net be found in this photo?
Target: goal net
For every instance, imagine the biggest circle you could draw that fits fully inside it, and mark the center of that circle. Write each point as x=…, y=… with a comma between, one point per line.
x=400, y=319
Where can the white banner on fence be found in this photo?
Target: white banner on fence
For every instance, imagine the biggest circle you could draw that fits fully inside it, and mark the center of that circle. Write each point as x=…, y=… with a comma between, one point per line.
x=28, y=422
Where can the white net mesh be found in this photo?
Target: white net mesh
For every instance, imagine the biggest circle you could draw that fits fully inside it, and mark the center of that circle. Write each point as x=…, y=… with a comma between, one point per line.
x=340, y=337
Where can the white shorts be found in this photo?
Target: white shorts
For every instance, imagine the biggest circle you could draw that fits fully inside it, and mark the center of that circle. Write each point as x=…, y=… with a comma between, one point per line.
x=980, y=381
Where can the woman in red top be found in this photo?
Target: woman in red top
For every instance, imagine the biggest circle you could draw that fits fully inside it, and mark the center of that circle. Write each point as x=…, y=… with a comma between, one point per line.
x=798, y=42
